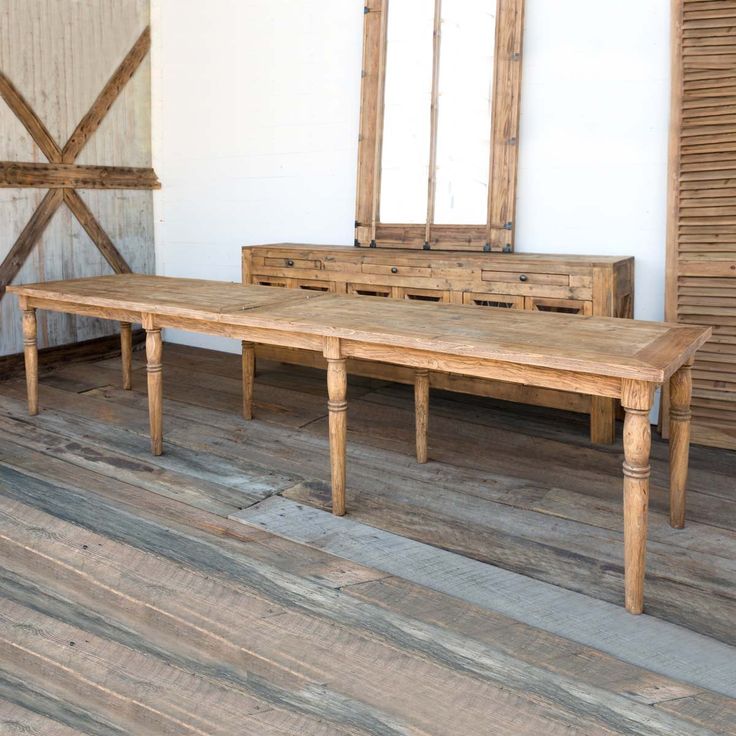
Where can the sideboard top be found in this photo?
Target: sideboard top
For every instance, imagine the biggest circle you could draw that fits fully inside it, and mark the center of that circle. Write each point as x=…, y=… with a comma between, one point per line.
x=447, y=255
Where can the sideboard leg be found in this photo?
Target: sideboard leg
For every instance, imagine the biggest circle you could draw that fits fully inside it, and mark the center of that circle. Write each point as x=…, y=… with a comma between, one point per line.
x=30, y=353
x=602, y=420
x=637, y=401
x=249, y=372
x=681, y=388
x=421, y=412
x=337, y=384
x=154, y=355
x=126, y=354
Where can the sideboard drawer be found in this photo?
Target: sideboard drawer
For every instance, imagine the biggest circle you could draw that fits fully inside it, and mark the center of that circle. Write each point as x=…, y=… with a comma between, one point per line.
x=395, y=269
x=288, y=262
x=269, y=281
x=368, y=290
x=564, y=306
x=425, y=295
x=313, y=285
x=499, y=301
x=525, y=277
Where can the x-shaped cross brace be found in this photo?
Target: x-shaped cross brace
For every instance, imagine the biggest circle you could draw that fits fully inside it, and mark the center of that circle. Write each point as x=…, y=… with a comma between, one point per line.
x=61, y=175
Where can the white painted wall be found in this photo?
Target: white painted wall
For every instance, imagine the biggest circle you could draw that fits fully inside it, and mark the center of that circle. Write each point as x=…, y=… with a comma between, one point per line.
x=256, y=121
x=594, y=129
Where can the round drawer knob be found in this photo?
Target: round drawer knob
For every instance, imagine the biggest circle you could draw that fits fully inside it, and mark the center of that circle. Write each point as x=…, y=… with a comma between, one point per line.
x=289, y=262
x=394, y=269
x=523, y=277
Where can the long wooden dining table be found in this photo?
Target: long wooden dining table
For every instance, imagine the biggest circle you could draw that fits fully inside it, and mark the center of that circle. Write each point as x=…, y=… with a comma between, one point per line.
x=617, y=358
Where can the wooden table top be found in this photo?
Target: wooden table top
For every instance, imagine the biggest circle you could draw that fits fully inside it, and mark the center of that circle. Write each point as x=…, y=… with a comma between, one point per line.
x=624, y=348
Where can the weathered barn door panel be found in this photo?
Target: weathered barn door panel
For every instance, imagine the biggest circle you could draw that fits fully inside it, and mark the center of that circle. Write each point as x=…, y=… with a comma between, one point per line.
x=75, y=152
x=701, y=265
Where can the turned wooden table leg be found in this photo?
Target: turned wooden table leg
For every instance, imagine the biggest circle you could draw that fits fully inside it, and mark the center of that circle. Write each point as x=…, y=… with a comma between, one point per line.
x=681, y=387
x=126, y=354
x=637, y=400
x=421, y=412
x=30, y=353
x=337, y=389
x=154, y=367
x=249, y=372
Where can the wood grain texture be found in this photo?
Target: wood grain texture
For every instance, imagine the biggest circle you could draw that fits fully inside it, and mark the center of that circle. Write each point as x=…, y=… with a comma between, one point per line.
x=249, y=372
x=637, y=402
x=30, y=352
x=421, y=409
x=614, y=348
x=602, y=286
x=680, y=397
x=95, y=231
x=701, y=242
x=126, y=354
x=100, y=347
x=498, y=232
x=31, y=122
x=29, y=237
x=520, y=508
x=337, y=406
x=60, y=66
x=16, y=174
x=623, y=359
x=110, y=92
x=644, y=640
x=170, y=604
x=154, y=370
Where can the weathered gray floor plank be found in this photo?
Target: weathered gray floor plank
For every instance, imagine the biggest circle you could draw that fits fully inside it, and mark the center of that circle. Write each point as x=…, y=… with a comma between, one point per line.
x=641, y=640
x=378, y=640
x=169, y=602
x=689, y=586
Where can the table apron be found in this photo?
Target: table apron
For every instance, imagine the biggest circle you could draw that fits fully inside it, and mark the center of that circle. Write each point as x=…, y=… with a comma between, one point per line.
x=112, y=313
x=561, y=379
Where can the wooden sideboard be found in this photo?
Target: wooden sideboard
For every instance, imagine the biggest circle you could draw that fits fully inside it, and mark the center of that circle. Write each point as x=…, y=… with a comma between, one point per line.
x=591, y=285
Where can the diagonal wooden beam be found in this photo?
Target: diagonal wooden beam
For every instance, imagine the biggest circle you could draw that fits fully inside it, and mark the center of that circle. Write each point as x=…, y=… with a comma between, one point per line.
x=91, y=121
x=61, y=175
x=93, y=228
x=29, y=237
x=31, y=122
x=55, y=176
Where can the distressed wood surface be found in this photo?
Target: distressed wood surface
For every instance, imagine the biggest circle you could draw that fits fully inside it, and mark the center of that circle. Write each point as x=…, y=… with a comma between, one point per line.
x=56, y=57
x=593, y=348
x=621, y=358
x=21, y=174
x=497, y=233
x=127, y=595
x=701, y=230
x=602, y=286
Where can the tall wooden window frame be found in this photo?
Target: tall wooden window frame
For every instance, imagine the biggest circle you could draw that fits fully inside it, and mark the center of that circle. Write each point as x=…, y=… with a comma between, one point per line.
x=498, y=232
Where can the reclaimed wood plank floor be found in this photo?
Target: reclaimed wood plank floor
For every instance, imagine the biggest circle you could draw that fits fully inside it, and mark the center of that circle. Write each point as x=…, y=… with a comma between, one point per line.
x=131, y=604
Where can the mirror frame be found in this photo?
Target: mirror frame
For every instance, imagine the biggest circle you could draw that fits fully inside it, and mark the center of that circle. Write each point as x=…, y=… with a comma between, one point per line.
x=498, y=232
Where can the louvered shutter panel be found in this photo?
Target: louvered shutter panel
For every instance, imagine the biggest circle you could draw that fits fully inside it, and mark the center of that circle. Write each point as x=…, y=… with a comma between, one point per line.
x=701, y=267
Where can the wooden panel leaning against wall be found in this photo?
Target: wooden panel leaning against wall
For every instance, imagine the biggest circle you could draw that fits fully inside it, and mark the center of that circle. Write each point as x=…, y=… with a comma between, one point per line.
x=75, y=113
x=600, y=286
x=701, y=237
